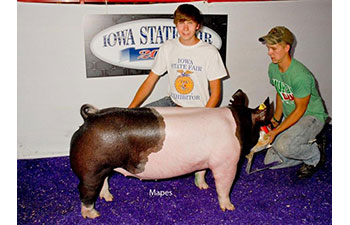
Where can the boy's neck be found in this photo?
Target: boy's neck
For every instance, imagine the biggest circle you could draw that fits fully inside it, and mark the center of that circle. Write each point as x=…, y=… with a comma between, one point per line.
x=189, y=42
x=284, y=64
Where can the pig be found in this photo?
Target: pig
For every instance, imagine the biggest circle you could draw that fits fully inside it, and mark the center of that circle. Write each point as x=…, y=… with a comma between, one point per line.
x=159, y=143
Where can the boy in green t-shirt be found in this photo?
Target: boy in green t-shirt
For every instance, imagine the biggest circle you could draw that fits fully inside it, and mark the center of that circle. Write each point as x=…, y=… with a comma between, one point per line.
x=298, y=101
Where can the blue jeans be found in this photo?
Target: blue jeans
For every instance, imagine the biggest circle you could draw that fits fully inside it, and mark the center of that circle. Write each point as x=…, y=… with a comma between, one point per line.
x=163, y=102
x=293, y=145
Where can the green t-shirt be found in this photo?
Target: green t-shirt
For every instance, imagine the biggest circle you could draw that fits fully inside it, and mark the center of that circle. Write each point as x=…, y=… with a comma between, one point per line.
x=297, y=82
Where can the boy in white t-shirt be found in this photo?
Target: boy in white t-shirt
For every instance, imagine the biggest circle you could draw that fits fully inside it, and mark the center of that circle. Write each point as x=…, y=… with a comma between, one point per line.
x=194, y=68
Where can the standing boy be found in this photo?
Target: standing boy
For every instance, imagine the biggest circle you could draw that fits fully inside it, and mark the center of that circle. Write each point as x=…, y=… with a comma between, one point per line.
x=298, y=101
x=193, y=66
x=194, y=69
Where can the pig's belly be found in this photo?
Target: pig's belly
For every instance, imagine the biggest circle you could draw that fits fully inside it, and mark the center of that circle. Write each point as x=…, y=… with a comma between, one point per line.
x=195, y=139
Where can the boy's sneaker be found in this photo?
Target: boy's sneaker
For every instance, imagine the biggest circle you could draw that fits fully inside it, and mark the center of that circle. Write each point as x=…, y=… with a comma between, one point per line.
x=306, y=171
x=321, y=141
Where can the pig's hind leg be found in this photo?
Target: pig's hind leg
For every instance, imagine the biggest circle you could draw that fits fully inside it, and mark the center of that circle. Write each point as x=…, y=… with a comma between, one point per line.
x=224, y=176
x=105, y=191
x=89, y=187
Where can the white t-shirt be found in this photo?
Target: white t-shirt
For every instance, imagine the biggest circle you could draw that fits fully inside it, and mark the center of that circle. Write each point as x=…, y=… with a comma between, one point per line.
x=189, y=68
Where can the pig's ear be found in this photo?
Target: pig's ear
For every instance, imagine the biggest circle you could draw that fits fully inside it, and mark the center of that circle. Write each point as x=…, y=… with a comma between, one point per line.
x=239, y=99
x=261, y=113
x=87, y=110
x=267, y=102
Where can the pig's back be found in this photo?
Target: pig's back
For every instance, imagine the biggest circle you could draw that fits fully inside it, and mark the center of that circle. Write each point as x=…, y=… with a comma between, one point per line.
x=195, y=138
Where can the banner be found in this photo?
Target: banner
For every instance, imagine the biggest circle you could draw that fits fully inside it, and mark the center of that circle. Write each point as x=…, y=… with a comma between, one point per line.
x=118, y=45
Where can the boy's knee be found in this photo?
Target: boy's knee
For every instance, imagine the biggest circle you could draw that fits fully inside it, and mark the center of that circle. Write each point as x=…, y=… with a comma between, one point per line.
x=284, y=146
x=290, y=147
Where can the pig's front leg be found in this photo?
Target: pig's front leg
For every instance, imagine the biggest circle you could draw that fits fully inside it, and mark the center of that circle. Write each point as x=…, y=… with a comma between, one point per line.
x=105, y=191
x=199, y=180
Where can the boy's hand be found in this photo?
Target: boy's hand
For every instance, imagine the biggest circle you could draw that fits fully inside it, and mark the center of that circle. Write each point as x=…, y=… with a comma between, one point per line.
x=271, y=135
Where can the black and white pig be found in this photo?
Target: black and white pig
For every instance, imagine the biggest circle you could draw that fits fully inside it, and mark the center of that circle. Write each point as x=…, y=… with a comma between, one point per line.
x=159, y=143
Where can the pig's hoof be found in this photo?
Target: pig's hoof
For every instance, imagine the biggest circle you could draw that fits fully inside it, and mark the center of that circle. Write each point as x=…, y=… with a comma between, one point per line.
x=200, y=183
x=227, y=206
x=89, y=213
x=108, y=197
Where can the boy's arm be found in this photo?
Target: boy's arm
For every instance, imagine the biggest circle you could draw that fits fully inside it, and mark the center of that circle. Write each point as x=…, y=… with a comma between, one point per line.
x=144, y=90
x=278, y=112
x=300, y=108
x=215, y=93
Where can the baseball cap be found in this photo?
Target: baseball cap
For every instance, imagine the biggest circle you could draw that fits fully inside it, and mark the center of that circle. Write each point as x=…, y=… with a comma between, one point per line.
x=278, y=34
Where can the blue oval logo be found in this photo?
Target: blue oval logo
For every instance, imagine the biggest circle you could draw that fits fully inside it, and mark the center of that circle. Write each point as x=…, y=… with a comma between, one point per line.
x=135, y=44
